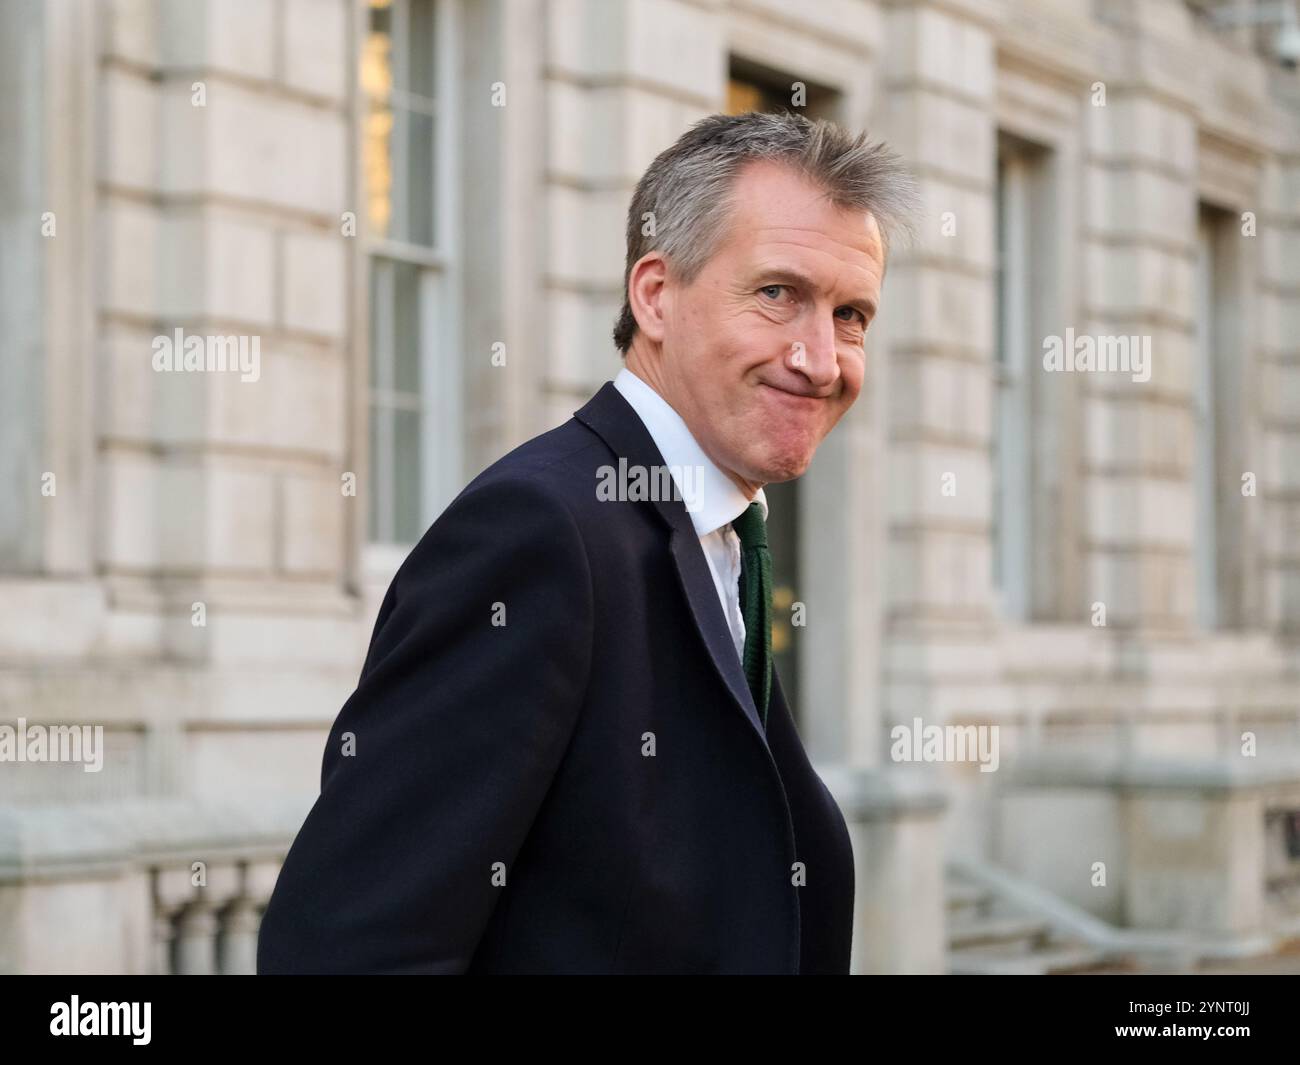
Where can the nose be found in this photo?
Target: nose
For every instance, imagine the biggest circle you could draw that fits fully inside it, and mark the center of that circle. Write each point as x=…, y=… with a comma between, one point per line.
x=812, y=356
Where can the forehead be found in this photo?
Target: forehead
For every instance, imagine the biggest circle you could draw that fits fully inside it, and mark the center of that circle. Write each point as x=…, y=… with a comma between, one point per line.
x=772, y=204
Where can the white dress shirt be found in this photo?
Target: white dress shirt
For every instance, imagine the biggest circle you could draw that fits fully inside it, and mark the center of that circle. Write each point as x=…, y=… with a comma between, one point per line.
x=717, y=499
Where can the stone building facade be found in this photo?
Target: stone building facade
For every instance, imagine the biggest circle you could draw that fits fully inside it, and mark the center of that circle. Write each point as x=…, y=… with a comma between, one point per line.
x=415, y=209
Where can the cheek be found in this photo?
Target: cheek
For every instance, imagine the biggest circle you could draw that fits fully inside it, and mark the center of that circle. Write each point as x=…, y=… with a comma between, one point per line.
x=693, y=321
x=852, y=373
x=719, y=341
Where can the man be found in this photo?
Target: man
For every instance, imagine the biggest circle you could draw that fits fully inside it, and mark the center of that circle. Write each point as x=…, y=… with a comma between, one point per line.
x=568, y=750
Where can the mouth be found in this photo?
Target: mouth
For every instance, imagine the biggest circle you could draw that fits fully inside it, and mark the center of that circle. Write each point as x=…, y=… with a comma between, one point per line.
x=797, y=400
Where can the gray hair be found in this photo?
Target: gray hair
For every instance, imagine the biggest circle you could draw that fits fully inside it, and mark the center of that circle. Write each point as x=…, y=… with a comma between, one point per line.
x=686, y=190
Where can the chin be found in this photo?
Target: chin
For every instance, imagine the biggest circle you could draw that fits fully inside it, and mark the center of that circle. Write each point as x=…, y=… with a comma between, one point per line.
x=784, y=468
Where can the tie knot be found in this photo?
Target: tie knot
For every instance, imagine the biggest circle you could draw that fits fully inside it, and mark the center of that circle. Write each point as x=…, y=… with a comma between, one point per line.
x=750, y=526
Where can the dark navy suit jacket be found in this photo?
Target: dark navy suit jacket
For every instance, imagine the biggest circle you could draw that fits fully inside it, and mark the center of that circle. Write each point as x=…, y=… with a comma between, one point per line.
x=585, y=788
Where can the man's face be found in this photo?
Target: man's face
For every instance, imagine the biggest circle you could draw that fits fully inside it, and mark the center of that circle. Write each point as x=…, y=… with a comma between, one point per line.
x=763, y=352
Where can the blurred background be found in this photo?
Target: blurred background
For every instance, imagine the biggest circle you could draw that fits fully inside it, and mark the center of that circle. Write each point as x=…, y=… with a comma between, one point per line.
x=415, y=209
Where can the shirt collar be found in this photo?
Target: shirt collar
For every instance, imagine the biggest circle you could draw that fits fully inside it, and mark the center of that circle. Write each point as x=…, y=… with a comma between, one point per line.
x=720, y=498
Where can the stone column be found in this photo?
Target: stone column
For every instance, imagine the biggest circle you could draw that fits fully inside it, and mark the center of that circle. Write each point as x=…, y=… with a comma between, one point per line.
x=1138, y=489
x=1279, y=353
x=895, y=824
x=938, y=111
x=196, y=940
x=237, y=948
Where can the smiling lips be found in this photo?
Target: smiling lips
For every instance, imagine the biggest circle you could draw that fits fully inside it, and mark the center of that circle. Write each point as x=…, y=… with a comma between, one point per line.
x=797, y=398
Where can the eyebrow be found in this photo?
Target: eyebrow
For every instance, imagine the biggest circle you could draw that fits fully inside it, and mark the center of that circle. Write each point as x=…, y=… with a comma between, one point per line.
x=791, y=276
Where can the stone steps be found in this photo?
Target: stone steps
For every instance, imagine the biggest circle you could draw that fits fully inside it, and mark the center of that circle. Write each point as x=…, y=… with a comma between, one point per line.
x=986, y=940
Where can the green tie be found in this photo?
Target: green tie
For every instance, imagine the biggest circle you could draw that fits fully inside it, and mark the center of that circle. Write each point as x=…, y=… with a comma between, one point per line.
x=756, y=604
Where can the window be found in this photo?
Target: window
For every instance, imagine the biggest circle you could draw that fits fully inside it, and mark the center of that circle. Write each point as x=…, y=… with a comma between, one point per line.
x=1216, y=411
x=745, y=96
x=1011, y=504
x=24, y=362
x=414, y=380
x=1033, y=456
x=753, y=87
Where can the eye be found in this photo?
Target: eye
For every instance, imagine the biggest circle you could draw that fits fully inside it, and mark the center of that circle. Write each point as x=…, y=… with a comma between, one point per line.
x=852, y=310
x=772, y=291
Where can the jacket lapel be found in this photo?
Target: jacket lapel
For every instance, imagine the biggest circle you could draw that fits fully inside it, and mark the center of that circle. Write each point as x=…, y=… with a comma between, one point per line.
x=612, y=418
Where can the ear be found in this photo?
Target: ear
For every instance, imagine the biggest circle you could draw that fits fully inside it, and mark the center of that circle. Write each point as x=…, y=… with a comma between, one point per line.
x=645, y=294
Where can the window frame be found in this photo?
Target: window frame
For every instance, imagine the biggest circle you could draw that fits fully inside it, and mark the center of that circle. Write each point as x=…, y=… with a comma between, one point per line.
x=440, y=447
